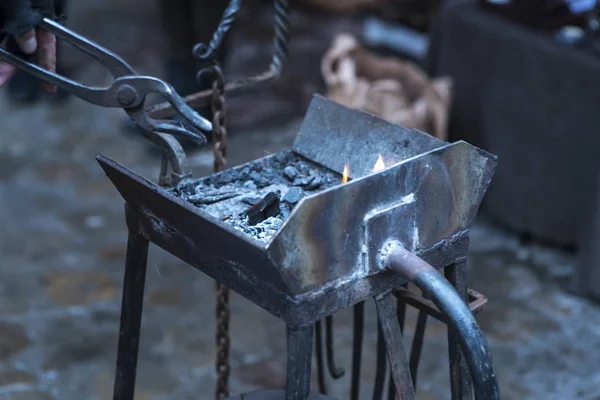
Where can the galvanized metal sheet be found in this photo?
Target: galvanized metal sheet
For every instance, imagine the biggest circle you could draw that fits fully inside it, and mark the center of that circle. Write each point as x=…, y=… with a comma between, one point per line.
x=334, y=135
x=323, y=243
x=177, y=219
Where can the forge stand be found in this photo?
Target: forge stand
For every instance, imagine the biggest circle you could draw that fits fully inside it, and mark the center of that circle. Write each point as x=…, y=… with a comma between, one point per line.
x=451, y=258
x=406, y=222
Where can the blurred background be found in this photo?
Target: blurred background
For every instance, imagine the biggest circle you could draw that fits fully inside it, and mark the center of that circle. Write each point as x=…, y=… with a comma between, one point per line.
x=517, y=78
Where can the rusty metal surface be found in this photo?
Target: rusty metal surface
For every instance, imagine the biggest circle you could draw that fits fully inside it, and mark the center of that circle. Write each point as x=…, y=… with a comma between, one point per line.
x=322, y=259
x=299, y=361
x=461, y=321
x=357, y=138
x=390, y=329
x=324, y=242
x=206, y=234
x=476, y=303
x=200, y=241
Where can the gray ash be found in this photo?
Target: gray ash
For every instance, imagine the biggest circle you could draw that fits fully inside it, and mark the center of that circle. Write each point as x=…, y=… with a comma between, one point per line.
x=256, y=198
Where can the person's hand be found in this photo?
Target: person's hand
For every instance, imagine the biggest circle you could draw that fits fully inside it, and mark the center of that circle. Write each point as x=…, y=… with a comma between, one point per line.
x=18, y=19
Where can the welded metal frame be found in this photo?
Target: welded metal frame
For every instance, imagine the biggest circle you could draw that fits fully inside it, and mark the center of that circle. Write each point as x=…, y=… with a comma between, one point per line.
x=323, y=259
x=300, y=330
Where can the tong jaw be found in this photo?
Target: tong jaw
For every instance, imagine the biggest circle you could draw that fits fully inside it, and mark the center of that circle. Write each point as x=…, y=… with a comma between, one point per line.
x=130, y=93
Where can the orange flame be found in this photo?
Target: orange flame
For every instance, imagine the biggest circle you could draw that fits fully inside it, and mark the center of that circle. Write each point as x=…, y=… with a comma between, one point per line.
x=345, y=173
x=379, y=165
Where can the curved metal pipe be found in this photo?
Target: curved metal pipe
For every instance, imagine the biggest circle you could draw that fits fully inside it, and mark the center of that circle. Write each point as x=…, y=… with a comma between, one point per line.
x=396, y=258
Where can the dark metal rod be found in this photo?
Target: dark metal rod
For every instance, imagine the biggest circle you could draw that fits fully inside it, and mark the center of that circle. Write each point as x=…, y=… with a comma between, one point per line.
x=417, y=346
x=401, y=314
x=460, y=379
x=131, y=316
x=357, y=344
x=299, y=357
x=280, y=53
x=380, y=366
x=319, y=351
x=334, y=371
x=460, y=318
x=394, y=343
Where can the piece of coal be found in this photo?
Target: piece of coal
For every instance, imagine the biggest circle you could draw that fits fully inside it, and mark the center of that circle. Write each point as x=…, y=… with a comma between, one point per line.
x=244, y=174
x=226, y=177
x=267, y=207
x=290, y=172
x=304, y=180
x=250, y=185
x=293, y=195
x=212, y=197
x=315, y=183
x=256, y=177
x=251, y=200
x=285, y=209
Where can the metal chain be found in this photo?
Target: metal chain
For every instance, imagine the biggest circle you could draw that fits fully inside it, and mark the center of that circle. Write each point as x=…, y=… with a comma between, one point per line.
x=219, y=110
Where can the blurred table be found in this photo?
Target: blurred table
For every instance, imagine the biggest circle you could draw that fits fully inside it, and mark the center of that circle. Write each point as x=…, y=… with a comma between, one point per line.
x=533, y=102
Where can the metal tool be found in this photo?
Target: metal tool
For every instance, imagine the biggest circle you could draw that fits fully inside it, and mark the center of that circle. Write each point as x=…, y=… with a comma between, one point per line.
x=340, y=246
x=128, y=91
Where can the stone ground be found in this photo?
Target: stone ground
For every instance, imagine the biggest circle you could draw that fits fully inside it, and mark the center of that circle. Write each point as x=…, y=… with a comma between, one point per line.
x=63, y=241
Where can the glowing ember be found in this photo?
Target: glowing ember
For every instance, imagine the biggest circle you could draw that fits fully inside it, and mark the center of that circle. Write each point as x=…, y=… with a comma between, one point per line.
x=345, y=173
x=379, y=165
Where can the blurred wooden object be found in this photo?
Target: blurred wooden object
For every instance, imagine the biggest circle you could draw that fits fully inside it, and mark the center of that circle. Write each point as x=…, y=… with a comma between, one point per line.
x=396, y=90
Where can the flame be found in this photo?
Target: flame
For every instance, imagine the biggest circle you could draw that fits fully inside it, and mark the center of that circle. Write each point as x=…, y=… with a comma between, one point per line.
x=379, y=165
x=345, y=173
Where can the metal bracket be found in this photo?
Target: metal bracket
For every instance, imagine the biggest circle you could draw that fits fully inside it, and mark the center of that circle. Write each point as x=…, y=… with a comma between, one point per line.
x=380, y=221
x=476, y=303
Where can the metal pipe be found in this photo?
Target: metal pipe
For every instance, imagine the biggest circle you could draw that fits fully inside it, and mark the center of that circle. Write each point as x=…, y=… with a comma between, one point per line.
x=396, y=258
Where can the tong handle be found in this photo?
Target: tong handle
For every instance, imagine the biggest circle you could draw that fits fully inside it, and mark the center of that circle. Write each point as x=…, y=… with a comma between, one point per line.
x=128, y=91
x=115, y=64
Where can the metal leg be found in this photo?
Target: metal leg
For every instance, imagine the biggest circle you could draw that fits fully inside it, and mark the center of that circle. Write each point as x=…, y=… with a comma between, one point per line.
x=357, y=343
x=334, y=371
x=380, y=368
x=401, y=314
x=390, y=328
x=460, y=377
x=299, y=357
x=131, y=316
x=417, y=346
x=319, y=351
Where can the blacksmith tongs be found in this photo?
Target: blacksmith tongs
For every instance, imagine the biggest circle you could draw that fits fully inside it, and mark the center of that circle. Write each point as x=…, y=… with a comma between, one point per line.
x=128, y=91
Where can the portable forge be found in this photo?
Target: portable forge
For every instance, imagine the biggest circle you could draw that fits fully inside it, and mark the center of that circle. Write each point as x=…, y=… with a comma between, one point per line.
x=358, y=208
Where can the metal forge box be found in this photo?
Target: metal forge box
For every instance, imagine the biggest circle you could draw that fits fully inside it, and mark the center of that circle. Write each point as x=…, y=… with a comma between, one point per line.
x=356, y=209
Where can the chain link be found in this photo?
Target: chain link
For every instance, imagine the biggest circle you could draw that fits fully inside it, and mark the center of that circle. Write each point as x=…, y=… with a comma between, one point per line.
x=219, y=110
